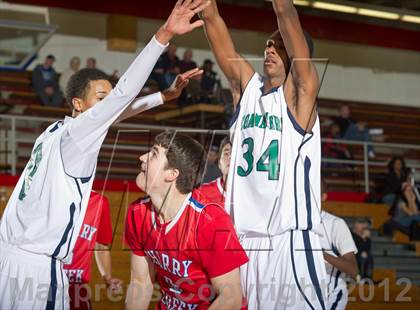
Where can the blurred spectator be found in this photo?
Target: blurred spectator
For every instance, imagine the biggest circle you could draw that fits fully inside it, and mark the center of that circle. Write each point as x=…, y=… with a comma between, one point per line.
x=361, y=236
x=399, y=194
x=91, y=63
x=397, y=182
x=67, y=73
x=212, y=169
x=166, y=68
x=187, y=63
x=344, y=120
x=352, y=130
x=334, y=149
x=209, y=82
x=192, y=92
x=216, y=189
x=45, y=83
x=360, y=132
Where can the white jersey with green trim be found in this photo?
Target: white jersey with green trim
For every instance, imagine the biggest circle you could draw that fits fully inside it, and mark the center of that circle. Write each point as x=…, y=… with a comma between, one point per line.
x=274, y=177
x=46, y=209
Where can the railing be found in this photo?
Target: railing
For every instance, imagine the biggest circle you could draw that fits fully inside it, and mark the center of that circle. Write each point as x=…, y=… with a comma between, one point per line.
x=9, y=142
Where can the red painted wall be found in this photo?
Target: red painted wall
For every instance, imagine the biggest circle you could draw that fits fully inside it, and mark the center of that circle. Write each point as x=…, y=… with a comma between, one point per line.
x=248, y=18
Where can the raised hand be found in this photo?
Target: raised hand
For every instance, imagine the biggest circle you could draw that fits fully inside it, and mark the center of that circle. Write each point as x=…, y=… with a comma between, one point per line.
x=181, y=81
x=179, y=22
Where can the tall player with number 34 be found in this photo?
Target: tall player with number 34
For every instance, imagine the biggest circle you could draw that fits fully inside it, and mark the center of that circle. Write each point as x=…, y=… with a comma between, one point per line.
x=274, y=178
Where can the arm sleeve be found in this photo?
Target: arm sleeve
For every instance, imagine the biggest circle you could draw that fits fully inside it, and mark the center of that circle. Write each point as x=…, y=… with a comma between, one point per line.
x=343, y=239
x=140, y=105
x=105, y=225
x=218, y=245
x=131, y=233
x=86, y=132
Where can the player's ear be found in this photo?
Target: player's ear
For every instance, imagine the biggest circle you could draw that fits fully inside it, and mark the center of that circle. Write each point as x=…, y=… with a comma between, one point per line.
x=172, y=174
x=77, y=104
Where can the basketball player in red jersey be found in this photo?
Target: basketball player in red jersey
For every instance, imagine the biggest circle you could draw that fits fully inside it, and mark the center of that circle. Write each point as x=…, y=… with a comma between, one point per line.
x=215, y=190
x=177, y=237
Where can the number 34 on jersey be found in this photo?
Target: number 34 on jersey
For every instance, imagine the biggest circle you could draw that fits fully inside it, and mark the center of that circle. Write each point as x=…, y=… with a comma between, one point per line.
x=268, y=162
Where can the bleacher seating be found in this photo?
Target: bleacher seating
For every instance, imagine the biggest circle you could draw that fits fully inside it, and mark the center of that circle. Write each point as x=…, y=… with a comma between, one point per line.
x=399, y=124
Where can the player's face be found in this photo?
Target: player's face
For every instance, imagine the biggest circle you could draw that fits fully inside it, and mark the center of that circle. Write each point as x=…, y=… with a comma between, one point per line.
x=275, y=57
x=153, y=170
x=224, y=160
x=97, y=91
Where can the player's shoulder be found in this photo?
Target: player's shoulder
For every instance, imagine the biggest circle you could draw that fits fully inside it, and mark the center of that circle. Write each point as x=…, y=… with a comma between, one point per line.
x=208, y=188
x=208, y=209
x=333, y=219
x=97, y=196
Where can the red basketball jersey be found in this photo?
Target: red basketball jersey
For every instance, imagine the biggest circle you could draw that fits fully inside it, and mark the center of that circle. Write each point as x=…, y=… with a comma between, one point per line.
x=214, y=191
x=96, y=227
x=200, y=243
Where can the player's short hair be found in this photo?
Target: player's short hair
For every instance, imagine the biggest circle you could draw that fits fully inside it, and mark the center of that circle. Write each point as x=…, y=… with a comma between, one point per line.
x=184, y=154
x=78, y=85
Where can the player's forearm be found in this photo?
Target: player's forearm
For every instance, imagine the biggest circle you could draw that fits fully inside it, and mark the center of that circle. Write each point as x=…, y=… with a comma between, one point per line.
x=139, y=296
x=140, y=105
x=283, y=7
x=103, y=261
x=104, y=113
x=227, y=302
x=347, y=265
x=220, y=40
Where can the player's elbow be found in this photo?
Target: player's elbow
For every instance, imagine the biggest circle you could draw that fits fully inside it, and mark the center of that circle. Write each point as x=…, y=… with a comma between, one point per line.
x=230, y=301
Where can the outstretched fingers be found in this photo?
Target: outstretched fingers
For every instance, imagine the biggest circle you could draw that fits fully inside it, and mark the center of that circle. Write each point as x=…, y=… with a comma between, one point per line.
x=192, y=73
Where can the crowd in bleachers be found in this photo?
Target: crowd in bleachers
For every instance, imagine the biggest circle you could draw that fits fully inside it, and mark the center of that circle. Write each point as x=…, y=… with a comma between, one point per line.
x=50, y=86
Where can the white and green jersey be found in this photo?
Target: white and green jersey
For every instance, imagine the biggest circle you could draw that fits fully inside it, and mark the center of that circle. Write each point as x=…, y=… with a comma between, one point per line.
x=46, y=209
x=274, y=177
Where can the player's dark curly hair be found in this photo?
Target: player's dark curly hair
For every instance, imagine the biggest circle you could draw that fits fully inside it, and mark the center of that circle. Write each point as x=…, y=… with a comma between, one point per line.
x=184, y=154
x=78, y=85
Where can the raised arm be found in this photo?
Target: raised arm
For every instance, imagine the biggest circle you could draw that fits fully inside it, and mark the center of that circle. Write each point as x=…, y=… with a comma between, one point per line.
x=236, y=69
x=148, y=102
x=140, y=290
x=302, y=84
x=86, y=133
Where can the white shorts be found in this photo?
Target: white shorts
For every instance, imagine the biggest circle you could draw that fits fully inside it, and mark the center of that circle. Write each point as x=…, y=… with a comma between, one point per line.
x=337, y=299
x=31, y=281
x=284, y=272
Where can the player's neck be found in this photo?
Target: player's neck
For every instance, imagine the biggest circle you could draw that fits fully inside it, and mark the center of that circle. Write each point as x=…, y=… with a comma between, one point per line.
x=273, y=82
x=168, y=204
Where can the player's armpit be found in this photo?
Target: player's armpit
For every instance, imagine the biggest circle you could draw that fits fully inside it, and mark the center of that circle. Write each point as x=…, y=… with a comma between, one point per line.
x=140, y=290
x=302, y=83
x=228, y=291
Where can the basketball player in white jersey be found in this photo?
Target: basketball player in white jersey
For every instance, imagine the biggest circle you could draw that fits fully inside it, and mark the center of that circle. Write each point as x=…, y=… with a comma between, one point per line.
x=339, y=253
x=273, y=190
x=43, y=216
